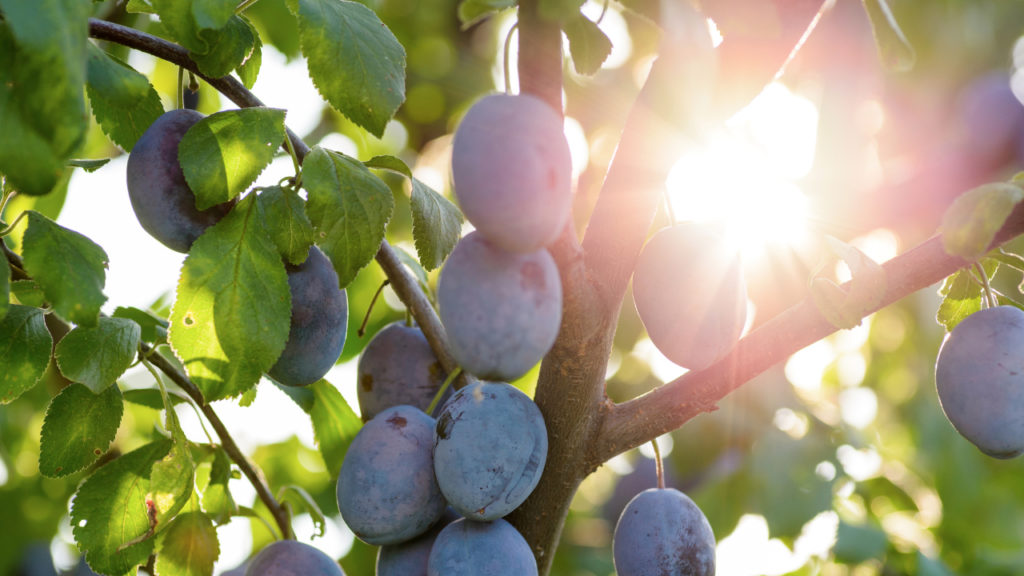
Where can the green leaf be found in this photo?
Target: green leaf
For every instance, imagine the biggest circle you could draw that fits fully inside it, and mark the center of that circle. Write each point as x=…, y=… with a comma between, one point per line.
x=355, y=61
x=213, y=14
x=388, y=162
x=217, y=500
x=588, y=45
x=228, y=48
x=559, y=10
x=335, y=425
x=894, y=50
x=222, y=154
x=70, y=268
x=217, y=50
x=961, y=298
x=29, y=293
x=249, y=69
x=472, y=11
x=5, y=290
x=24, y=350
x=123, y=101
x=89, y=165
x=970, y=224
x=151, y=398
x=98, y=356
x=42, y=71
x=78, y=428
x=171, y=482
x=859, y=543
x=110, y=511
x=287, y=223
x=416, y=268
x=349, y=208
x=153, y=328
x=139, y=7
x=436, y=225
x=188, y=547
x=300, y=500
x=232, y=312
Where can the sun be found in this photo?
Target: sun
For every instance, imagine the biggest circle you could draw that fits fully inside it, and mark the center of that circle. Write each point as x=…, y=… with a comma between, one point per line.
x=745, y=176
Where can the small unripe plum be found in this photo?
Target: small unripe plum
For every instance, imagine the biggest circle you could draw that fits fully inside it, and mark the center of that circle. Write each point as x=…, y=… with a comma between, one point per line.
x=160, y=197
x=663, y=533
x=501, y=310
x=318, y=324
x=512, y=171
x=291, y=558
x=387, y=492
x=410, y=558
x=979, y=375
x=469, y=548
x=490, y=448
x=398, y=367
x=689, y=291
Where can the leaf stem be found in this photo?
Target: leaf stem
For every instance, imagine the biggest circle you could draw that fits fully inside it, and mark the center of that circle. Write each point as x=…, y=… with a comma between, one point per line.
x=179, y=95
x=245, y=5
x=13, y=225
x=366, y=317
x=990, y=299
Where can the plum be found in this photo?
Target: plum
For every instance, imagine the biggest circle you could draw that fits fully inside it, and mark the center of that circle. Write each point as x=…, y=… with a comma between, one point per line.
x=398, y=367
x=501, y=310
x=410, y=558
x=469, y=548
x=512, y=171
x=662, y=532
x=993, y=121
x=387, y=492
x=318, y=325
x=689, y=291
x=291, y=558
x=979, y=375
x=160, y=197
x=490, y=447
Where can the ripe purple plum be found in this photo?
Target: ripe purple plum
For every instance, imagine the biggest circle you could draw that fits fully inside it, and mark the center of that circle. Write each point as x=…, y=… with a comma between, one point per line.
x=979, y=375
x=398, y=367
x=662, y=533
x=501, y=310
x=689, y=290
x=469, y=548
x=410, y=558
x=512, y=171
x=160, y=197
x=387, y=492
x=291, y=558
x=490, y=447
x=318, y=325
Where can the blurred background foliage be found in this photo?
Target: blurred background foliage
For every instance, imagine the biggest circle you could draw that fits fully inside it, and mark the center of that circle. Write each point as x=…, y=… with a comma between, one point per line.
x=838, y=461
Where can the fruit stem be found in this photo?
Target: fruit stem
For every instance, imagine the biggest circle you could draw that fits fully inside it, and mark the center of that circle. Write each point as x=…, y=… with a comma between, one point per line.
x=604, y=10
x=990, y=300
x=179, y=95
x=658, y=465
x=508, y=50
x=295, y=162
x=444, y=387
x=366, y=317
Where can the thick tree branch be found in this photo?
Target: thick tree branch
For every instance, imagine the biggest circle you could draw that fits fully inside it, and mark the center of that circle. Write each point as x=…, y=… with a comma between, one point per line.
x=401, y=279
x=668, y=407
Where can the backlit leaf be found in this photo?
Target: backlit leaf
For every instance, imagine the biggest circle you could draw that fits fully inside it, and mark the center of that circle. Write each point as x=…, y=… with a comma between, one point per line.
x=78, y=428
x=97, y=356
x=24, y=350
x=287, y=223
x=971, y=222
x=123, y=101
x=188, y=547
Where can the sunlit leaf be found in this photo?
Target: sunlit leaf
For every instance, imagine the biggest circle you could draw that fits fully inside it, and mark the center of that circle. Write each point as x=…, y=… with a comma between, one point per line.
x=588, y=45
x=24, y=350
x=97, y=356
x=78, y=428
x=970, y=224
x=188, y=547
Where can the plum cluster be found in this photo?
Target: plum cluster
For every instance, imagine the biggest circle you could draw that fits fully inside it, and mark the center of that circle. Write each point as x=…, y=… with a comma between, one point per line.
x=432, y=493
x=166, y=208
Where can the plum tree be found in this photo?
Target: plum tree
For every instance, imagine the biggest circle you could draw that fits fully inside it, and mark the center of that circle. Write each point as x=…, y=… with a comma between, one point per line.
x=397, y=367
x=160, y=197
x=470, y=548
x=291, y=558
x=979, y=375
x=386, y=489
x=501, y=309
x=410, y=558
x=690, y=293
x=511, y=171
x=319, y=321
x=661, y=532
x=489, y=449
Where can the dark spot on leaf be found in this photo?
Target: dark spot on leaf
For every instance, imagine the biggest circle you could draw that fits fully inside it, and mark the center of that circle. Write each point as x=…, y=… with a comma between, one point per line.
x=397, y=422
x=58, y=468
x=189, y=319
x=97, y=451
x=531, y=277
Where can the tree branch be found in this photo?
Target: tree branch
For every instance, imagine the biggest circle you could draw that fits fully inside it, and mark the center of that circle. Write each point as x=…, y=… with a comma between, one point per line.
x=668, y=407
x=401, y=279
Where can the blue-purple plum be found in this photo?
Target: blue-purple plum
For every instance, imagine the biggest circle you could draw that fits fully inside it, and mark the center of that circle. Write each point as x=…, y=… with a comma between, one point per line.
x=387, y=492
x=410, y=558
x=160, y=197
x=689, y=291
x=318, y=324
x=993, y=121
x=663, y=533
x=490, y=447
x=398, y=367
x=291, y=558
x=512, y=171
x=979, y=375
x=469, y=548
x=501, y=310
